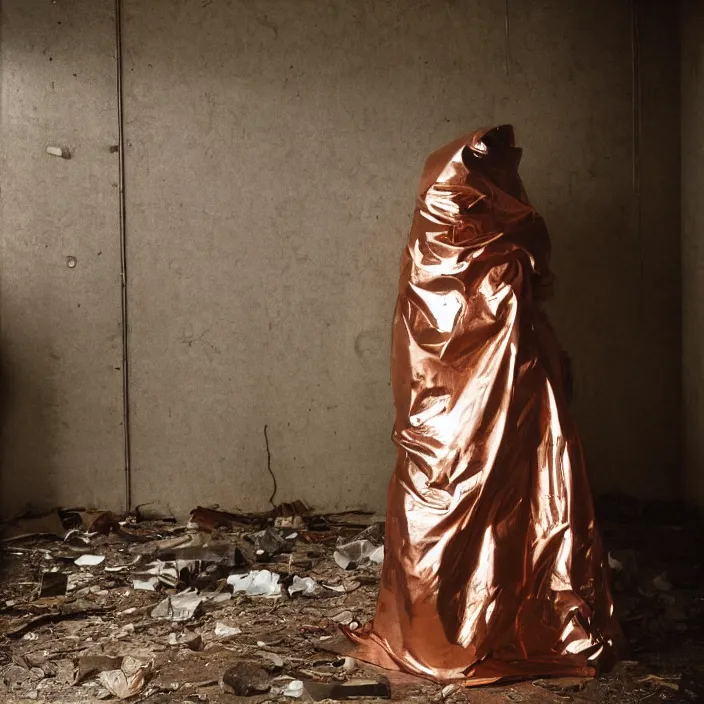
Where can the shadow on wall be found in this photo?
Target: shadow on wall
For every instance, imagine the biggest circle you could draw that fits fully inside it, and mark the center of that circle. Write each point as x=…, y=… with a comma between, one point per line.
x=27, y=449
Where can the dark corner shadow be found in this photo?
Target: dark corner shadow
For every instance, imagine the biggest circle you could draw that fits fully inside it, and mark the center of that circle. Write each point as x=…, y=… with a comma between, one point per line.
x=25, y=438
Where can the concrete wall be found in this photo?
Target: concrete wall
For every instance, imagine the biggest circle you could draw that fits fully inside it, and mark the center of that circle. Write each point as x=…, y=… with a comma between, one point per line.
x=693, y=244
x=60, y=339
x=272, y=152
x=274, y=149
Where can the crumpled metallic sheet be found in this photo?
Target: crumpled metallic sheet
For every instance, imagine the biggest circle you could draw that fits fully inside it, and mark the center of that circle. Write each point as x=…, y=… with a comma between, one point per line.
x=494, y=567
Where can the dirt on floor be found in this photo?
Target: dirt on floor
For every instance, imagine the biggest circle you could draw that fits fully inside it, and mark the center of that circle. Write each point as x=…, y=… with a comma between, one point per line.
x=231, y=607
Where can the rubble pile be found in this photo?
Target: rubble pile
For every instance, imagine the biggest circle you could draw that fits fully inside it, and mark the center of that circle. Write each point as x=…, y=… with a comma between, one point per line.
x=233, y=607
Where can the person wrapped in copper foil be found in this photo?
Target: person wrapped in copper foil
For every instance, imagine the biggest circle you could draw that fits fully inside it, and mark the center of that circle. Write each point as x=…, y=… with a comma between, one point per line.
x=494, y=567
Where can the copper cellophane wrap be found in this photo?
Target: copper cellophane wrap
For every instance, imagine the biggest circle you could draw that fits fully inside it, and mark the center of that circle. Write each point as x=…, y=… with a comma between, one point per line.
x=494, y=567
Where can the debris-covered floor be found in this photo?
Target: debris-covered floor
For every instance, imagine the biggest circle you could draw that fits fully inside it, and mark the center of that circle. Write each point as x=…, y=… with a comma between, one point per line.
x=233, y=607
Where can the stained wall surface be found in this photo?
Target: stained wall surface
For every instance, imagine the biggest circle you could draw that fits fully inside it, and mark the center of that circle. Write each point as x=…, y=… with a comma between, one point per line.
x=60, y=336
x=272, y=154
x=693, y=245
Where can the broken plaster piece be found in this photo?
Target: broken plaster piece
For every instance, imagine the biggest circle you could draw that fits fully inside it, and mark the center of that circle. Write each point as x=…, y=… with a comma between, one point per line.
x=63, y=152
x=129, y=680
x=303, y=585
x=89, y=560
x=180, y=607
x=356, y=553
x=293, y=689
x=147, y=585
x=256, y=583
x=225, y=632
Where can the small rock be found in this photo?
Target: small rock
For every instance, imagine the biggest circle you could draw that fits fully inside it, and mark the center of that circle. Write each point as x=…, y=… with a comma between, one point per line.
x=273, y=658
x=662, y=583
x=245, y=679
x=192, y=641
x=343, y=617
x=225, y=632
x=563, y=684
